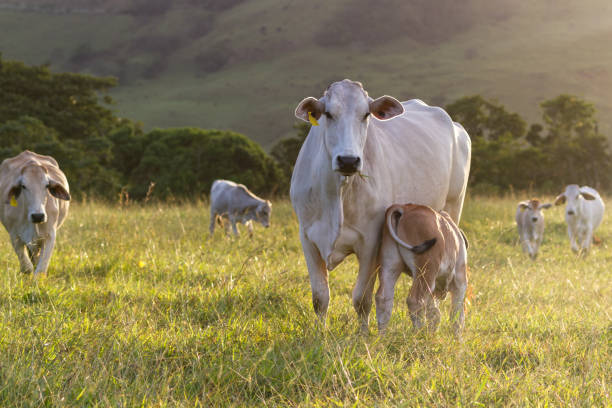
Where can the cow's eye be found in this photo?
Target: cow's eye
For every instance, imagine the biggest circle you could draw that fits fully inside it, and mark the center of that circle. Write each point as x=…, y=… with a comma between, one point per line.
x=23, y=187
x=328, y=115
x=366, y=115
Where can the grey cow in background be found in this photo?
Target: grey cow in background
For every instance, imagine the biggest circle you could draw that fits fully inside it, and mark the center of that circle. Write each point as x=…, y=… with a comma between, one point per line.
x=236, y=203
x=530, y=224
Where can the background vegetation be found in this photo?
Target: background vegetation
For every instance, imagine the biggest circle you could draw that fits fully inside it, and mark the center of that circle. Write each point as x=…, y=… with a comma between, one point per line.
x=141, y=308
x=245, y=64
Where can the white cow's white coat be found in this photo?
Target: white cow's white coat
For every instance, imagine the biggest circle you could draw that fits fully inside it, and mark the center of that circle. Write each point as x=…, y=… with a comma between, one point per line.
x=35, y=203
x=236, y=203
x=584, y=211
x=420, y=156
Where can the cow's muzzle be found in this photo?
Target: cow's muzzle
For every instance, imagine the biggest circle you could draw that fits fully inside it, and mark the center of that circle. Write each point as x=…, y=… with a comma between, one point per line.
x=348, y=165
x=37, y=218
x=534, y=219
x=570, y=212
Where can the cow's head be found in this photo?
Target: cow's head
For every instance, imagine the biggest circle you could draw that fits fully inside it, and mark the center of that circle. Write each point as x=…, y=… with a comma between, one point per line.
x=32, y=188
x=263, y=212
x=573, y=197
x=534, y=209
x=343, y=114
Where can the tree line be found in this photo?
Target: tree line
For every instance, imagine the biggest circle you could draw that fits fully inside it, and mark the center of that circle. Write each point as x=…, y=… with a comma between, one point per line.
x=69, y=117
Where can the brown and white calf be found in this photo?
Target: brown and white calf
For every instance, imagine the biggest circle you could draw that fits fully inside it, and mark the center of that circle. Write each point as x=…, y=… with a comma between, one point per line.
x=433, y=250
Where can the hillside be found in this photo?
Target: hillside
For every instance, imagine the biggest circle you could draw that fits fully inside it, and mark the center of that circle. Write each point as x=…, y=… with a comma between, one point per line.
x=245, y=64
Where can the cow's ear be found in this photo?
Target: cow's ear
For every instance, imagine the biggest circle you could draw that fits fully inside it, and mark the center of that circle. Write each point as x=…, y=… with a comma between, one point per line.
x=386, y=107
x=545, y=206
x=14, y=192
x=312, y=105
x=58, y=191
x=523, y=205
x=587, y=196
x=560, y=199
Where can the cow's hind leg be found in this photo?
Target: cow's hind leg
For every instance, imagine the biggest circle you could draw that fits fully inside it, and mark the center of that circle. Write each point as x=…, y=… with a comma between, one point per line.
x=421, y=296
x=24, y=260
x=318, y=279
x=387, y=276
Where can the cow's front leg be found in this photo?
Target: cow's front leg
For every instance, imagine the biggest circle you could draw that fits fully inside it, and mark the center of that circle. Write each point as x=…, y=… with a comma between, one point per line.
x=318, y=279
x=362, y=292
x=213, y=221
x=588, y=239
x=233, y=220
x=45, y=256
x=572, y=238
x=20, y=249
x=249, y=225
x=387, y=276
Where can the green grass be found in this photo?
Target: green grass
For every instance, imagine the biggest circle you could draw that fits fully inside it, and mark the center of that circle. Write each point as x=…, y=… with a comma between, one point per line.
x=141, y=308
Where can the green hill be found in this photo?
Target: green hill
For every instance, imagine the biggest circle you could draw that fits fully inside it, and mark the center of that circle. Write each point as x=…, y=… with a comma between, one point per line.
x=245, y=64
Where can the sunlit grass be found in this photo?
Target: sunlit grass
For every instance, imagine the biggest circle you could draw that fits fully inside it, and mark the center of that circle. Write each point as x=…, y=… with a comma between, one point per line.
x=141, y=308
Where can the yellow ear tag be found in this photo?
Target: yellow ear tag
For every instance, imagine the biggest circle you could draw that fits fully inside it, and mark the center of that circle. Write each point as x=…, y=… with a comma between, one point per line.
x=13, y=201
x=312, y=119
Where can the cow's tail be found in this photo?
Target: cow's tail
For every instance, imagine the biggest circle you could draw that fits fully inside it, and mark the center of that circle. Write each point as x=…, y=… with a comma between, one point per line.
x=392, y=219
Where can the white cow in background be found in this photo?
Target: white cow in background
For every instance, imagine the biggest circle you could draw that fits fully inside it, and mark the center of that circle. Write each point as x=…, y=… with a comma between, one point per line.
x=530, y=223
x=236, y=203
x=36, y=201
x=584, y=211
x=363, y=156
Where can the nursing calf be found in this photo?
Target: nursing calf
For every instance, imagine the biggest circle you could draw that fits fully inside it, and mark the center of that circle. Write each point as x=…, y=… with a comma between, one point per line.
x=36, y=200
x=584, y=210
x=530, y=224
x=236, y=203
x=428, y=245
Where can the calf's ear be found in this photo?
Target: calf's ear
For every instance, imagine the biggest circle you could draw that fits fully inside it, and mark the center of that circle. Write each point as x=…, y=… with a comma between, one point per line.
x=560, y=199
x=587, y=196
x=386, y=107
x=545, y=206
x=523, y=205
x=58, y=191
x=312, y=105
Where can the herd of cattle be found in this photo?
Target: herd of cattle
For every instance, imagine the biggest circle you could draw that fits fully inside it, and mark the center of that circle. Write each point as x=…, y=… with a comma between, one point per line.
x=349, y=187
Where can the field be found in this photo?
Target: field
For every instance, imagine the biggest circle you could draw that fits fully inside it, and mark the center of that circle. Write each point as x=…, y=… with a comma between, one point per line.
x=140, y=308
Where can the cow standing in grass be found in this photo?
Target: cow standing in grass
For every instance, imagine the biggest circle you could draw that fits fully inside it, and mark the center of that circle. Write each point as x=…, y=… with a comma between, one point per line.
x=584, y=211
x=530, y=223
x=361, y=156
x=234, y=202
x=428, y=245
x=36, y=201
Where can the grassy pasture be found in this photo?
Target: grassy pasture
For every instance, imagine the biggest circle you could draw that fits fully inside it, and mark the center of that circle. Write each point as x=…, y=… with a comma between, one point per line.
x=140, y=308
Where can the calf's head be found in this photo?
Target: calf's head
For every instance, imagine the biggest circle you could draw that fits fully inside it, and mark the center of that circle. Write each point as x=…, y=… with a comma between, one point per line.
x=343, y=114
x=263, y=212
x=573, y=197
x=32, y=189
x=533, y=209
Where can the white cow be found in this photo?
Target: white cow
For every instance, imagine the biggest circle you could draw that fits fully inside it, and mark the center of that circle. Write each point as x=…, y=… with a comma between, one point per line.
x=584, y=211
x=235, y=202
x=355, y=164
x=36, y=201
x=530, y=223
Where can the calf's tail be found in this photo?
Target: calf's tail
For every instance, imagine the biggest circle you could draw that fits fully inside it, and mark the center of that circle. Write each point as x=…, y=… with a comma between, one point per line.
x=392, y=219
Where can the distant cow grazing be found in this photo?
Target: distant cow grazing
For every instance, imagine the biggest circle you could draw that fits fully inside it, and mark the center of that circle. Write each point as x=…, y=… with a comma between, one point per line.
x=36, y=201
x=236, y=203
x=584, y=211
x=428, y=245
x=362, y=156
x=530, y=224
